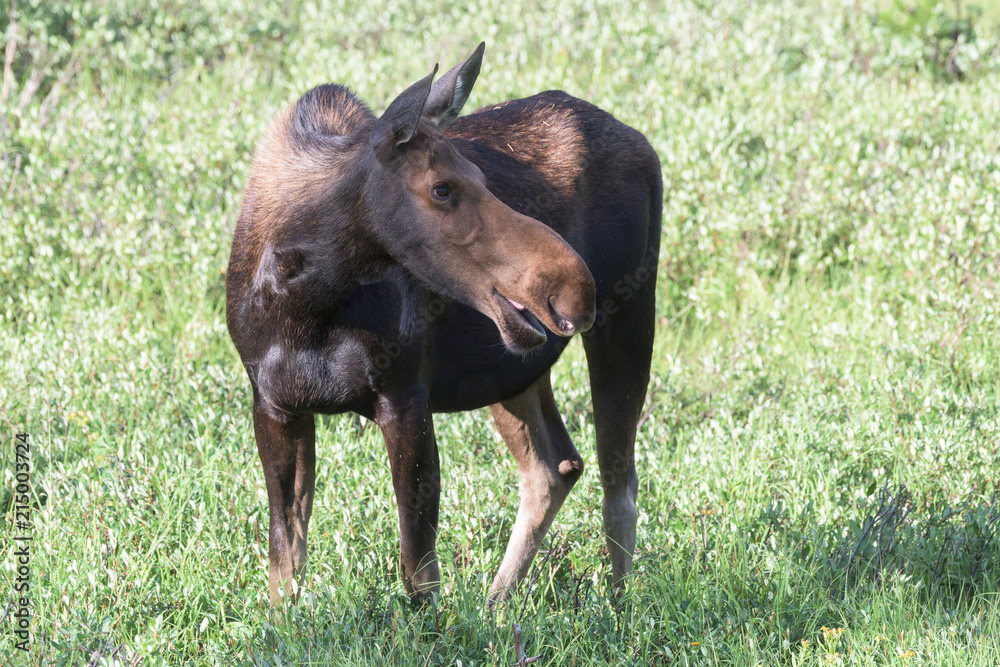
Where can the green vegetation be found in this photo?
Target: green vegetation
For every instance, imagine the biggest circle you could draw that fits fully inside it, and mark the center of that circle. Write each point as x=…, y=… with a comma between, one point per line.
x=820, y=453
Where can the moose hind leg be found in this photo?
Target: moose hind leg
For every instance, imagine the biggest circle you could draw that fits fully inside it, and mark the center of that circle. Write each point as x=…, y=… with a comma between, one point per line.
x=619, y=354
x=549, y=466
x=288, y=454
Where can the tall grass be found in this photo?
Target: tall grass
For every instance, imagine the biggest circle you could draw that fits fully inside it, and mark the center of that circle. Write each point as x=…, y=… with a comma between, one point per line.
x=819, y=453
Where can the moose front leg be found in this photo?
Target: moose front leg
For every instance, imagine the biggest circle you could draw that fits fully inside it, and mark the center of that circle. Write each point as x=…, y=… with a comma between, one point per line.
x=405, y=421
x=287, y=451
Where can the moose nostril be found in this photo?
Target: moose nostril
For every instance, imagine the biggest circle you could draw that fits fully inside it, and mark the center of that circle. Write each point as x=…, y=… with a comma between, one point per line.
x=565, y=326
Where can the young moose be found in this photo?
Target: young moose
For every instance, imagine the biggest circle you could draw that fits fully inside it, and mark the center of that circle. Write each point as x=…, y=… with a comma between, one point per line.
x=417, y=263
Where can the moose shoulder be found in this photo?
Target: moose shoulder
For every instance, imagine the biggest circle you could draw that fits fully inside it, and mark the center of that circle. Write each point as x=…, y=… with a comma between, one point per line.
x=423, y=262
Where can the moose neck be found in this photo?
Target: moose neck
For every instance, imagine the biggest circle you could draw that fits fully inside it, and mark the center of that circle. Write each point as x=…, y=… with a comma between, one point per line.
x=360, y=229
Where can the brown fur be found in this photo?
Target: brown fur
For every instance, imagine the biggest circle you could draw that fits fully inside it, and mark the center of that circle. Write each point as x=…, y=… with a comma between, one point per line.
x=551, y=143
x=409, y=264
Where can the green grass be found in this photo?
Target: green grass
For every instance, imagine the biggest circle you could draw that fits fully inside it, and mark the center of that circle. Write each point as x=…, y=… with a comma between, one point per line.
x=819, y=456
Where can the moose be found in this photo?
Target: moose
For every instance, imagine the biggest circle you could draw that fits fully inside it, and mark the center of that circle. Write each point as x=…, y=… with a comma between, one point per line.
x=423, y=262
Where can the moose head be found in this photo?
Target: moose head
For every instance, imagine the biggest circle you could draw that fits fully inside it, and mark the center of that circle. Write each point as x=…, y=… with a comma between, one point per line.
x=436, y=217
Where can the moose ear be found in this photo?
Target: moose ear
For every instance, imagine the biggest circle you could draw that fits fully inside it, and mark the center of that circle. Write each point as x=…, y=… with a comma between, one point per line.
x=398, y=124
x=449, y=93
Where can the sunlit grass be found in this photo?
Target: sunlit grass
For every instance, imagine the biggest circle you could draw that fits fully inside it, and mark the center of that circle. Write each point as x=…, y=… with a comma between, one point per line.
x=819, y=450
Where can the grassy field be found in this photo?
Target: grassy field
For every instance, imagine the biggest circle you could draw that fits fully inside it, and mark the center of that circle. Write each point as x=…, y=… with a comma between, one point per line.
x=821, y=445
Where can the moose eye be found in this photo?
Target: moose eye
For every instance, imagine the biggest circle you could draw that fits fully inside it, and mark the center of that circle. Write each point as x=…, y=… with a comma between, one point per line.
x=441, y=191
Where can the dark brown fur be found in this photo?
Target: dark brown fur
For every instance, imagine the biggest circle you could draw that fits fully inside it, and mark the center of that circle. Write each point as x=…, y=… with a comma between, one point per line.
x=355, y=284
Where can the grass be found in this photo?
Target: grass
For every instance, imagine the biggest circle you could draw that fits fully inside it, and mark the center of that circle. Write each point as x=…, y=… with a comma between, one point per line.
x=819, y=455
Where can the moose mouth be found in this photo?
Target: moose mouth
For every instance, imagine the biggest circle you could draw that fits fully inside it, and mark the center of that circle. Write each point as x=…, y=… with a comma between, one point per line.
x=520, y=329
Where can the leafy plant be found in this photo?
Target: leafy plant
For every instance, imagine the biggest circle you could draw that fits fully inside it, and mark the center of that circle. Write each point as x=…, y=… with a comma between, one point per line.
x=951, y=49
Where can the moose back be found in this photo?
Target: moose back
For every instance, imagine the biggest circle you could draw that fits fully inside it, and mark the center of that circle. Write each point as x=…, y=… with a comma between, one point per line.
x=423, y=262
